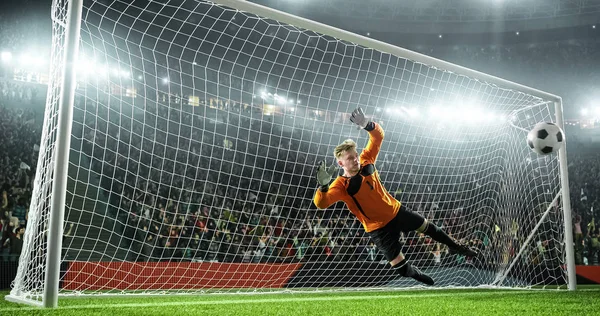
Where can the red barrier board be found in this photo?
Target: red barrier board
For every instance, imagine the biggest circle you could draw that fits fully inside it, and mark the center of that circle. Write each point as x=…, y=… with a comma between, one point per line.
x=591, y=273
x=175, y=275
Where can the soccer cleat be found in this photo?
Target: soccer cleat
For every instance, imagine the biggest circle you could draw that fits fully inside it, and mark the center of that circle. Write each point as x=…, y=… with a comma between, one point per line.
x=465, y=251
x=421, y=277
x=415, y=273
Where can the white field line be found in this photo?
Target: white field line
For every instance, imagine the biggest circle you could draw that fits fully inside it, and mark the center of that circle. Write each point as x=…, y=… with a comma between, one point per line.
x=279, y=300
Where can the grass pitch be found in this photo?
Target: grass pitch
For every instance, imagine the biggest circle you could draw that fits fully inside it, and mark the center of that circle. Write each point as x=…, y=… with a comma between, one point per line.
x=585, y=301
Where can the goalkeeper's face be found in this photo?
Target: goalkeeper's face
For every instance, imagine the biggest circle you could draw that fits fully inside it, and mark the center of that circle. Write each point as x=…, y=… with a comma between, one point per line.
x=350, y=162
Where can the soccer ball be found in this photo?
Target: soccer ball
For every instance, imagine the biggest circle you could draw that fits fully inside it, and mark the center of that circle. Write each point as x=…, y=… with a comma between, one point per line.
x=545, y=138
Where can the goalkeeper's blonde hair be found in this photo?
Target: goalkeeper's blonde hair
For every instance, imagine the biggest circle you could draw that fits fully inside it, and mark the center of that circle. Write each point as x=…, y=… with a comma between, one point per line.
x=347, y=145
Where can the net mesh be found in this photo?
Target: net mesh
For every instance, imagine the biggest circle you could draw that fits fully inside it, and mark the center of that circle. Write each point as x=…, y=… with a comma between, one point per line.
x=196, y=133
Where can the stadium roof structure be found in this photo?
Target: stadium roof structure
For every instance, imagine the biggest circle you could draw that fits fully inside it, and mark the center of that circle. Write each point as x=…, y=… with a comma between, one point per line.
x=444, y=16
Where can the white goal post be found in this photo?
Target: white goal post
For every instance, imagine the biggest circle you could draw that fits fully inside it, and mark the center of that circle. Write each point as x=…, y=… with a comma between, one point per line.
x=179, y=147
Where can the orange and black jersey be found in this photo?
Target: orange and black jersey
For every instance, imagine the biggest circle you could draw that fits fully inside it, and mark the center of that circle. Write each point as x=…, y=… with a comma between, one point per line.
x=363, y=193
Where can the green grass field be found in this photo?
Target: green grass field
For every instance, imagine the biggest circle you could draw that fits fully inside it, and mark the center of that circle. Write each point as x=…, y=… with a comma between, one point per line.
x=585, y=301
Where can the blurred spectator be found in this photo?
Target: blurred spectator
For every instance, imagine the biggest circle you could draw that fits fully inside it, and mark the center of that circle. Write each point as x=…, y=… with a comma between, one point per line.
x=14, y=242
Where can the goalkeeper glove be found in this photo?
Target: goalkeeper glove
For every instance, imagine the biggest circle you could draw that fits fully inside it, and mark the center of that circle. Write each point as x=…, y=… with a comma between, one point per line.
x=325, y=174
x=358, y=118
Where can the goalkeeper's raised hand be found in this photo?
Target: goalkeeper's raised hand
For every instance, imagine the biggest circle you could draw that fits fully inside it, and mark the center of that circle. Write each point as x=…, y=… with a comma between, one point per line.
x=358, y=118
x=325, y=174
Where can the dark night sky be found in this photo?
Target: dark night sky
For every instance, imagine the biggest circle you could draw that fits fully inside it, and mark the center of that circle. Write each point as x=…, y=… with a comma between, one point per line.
x=26, y=9
x=17, y=6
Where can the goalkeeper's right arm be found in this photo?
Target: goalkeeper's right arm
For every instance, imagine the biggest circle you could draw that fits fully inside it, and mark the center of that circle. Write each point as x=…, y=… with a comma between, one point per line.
x=324, y=197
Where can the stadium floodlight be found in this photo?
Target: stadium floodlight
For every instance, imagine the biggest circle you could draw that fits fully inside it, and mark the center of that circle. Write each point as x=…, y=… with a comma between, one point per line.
x=584, y=111
x=86, y=66
x=114, y=71
x=491, y=117
x=395, y=110
x=101, y=70
x=470, y=115
x=24, y=60
x=37, y=61
x=437, y=112
x=411, y=112
x=6, y=57
x=30, y=61
x=216, y=179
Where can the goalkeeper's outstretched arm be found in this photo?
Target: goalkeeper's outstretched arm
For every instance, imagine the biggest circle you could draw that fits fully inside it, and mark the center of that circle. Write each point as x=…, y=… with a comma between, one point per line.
x=376, y=134
x=326, y=196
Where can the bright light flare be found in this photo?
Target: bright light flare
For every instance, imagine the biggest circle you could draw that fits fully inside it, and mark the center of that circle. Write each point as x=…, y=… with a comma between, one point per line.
x=411, y=112
x=466, y=115
x=29, y=61
x=6, y=57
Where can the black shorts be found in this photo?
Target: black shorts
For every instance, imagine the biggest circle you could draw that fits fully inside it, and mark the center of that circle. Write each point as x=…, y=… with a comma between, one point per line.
x=387, y=238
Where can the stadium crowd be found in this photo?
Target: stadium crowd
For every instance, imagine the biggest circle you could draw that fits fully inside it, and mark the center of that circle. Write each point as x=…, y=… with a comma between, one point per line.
x=225, y=183
x=193, y=189
x=584, y=168
x=19, y=149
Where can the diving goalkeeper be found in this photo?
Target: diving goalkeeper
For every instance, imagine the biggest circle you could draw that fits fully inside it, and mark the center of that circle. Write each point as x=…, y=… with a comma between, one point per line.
x=382, y=216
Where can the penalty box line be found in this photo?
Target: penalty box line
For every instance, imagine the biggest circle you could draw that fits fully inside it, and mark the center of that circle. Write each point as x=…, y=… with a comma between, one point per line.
x=263, y=300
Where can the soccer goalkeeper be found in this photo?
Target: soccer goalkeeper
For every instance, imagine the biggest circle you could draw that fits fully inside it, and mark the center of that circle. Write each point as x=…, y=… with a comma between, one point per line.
x=383, y=217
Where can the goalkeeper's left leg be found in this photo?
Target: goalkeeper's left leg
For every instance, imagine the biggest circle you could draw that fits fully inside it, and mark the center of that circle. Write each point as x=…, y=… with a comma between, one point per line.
x=437, y=234
x=387, y=240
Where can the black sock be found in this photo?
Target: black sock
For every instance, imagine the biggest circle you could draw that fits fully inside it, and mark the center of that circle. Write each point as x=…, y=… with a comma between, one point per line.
x=404, y=268
x=440, y=236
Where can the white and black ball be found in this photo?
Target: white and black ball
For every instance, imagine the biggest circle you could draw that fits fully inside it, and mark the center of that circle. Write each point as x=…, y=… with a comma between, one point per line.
x=545, y=138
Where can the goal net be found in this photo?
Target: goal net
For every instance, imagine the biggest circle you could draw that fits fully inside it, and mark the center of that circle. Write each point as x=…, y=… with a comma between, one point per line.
x=196, y=132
